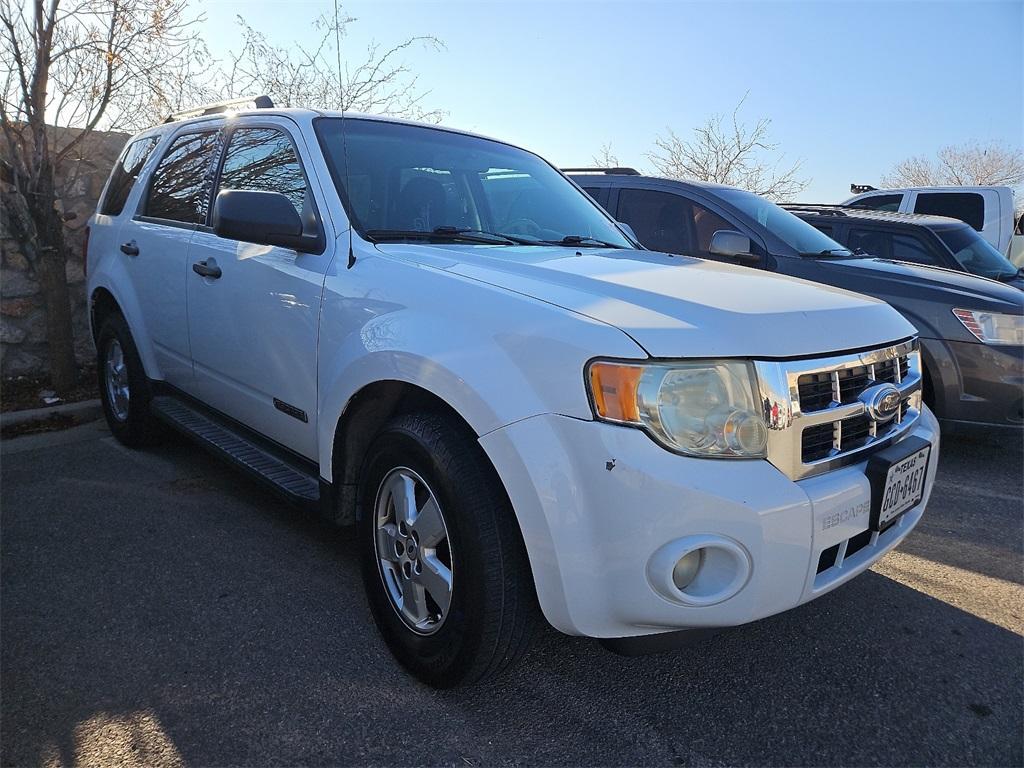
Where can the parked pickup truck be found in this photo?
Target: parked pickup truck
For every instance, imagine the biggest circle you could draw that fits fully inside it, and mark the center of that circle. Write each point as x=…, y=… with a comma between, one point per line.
x=440, y=339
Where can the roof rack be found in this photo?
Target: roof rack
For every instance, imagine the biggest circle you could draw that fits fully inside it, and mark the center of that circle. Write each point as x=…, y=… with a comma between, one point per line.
x=246, y=102
x=825, y=209
x=618, y=171
x=858, y=189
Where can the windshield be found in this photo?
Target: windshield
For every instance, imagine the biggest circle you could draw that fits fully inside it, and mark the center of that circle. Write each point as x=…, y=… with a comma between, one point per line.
x=790, y=229
x=975, y=254
x=415, y=183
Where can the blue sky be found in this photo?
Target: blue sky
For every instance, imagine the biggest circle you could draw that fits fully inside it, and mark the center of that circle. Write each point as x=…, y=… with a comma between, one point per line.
x=851, y=88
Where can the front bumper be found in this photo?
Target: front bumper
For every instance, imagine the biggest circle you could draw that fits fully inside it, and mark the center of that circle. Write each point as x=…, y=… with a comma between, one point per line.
x=979, y=384
x=602, y=508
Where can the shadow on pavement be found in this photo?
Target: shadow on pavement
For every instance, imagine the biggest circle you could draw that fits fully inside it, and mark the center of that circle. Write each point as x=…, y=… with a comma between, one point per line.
x=162, y=599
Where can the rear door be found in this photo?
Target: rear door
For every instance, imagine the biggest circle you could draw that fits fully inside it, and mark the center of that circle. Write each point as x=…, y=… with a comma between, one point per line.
x=155, y=241
x=253, y=329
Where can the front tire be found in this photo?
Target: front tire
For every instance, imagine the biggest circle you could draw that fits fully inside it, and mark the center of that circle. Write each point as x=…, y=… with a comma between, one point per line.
x=444, y=566
x=124, y=388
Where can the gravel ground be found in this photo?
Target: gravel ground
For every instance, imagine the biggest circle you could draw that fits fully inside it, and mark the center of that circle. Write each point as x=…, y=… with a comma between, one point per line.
x=159, y=609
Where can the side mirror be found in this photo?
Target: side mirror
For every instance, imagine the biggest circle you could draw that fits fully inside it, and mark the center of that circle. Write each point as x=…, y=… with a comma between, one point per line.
x=267, y=218
x=628, y=230
x=732, y=245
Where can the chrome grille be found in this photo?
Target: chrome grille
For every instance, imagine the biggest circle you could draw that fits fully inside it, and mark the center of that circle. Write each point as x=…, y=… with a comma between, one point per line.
x=818, y=390
x=816, y=418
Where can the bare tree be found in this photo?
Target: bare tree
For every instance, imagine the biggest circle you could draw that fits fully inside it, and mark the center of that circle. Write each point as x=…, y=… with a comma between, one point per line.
x=324, y=75
x=970, y=164
x=80, y=64
x=728, y=151
x=606, y=158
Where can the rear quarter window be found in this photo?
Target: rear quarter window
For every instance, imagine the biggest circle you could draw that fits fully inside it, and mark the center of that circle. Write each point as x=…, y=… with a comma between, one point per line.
x=125, y=173
x=879, y=202
x=966, y=206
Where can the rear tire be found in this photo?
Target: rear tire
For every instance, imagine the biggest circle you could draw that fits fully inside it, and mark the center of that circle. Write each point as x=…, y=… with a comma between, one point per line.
x=124, y=389
x=491, y=610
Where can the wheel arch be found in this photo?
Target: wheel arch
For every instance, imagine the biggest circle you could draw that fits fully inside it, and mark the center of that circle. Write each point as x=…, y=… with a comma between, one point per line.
x=101, y=305
x=364, y=414
x=105, y=298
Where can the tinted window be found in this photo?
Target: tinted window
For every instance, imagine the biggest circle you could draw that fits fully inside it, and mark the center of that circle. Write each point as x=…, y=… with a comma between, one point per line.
x=123, y=177
x=399, y=179
x=872, y=242
x=966, y=206
x=975, y=254
x=909, y=248
x=180, y=190
x=825, y=229
x=705, y=224
x=660, y=219
x=879, y=202
x=264, y=160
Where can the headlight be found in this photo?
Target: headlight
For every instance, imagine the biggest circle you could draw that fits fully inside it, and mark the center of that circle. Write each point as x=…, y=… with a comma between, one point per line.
x=705, y=408
x=992, y=327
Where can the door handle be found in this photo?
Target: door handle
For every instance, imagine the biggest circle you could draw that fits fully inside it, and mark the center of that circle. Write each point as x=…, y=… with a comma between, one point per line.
x=206, y=270
x=130, y=248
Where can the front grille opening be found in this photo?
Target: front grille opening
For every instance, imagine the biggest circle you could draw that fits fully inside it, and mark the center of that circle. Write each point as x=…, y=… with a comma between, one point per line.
x=816, y=389
x=828, y=558
x=858, y=542
x=817, y=442
x=856, y=432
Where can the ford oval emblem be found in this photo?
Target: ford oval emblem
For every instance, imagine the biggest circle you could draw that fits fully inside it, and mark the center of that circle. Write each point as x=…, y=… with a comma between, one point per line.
x=881, y=401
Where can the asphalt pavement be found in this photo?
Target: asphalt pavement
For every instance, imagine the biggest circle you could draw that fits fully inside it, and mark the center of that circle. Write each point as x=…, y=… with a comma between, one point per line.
x=158, y=608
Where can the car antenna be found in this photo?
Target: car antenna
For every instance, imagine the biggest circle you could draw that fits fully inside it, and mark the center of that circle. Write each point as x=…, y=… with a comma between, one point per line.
x=341, y=103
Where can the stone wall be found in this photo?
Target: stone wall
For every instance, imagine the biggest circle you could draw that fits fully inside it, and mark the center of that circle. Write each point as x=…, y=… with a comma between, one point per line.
x=22, y=309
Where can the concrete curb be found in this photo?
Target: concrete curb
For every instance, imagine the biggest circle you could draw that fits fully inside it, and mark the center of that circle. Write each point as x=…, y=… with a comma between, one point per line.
x=86, y=410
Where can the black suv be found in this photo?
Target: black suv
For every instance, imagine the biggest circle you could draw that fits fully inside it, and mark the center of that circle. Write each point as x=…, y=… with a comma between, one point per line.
x=934, y=241
x=971, y=328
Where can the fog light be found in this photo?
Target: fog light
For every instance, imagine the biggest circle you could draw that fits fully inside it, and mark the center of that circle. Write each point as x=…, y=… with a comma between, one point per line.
x=686, y=568
x=700, y=569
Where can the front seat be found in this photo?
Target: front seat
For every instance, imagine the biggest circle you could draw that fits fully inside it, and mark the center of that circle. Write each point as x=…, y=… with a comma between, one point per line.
x=421, y=205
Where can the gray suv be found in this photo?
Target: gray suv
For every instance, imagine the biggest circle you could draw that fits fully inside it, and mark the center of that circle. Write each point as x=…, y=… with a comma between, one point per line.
x=971, y=328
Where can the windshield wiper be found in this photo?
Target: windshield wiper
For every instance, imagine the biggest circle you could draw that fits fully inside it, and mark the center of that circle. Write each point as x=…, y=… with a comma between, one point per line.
x=834, y=252
x=440, y=234
x=447, y=230
x=582, y=240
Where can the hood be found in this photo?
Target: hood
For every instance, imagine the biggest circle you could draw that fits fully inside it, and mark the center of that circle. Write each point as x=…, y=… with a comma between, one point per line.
x=896, y=280
x=677, y=306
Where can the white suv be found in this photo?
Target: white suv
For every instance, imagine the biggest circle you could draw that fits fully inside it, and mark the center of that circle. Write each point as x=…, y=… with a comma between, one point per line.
x=439, y=338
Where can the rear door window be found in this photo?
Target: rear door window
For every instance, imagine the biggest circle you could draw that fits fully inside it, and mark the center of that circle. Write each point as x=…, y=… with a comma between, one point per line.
x=125, y=174
x=661, y=220
x=966, y=206
x=879, y=202
x=180, y=189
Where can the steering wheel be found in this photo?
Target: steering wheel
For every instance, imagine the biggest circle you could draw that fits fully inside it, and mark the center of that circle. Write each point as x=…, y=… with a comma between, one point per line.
x=523, y=226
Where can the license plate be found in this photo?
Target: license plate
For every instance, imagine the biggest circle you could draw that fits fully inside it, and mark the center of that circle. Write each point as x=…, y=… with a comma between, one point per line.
x=904, y=486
